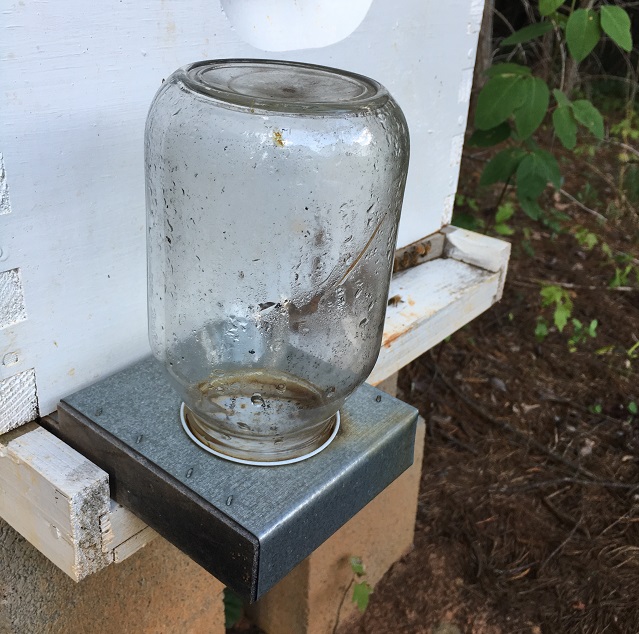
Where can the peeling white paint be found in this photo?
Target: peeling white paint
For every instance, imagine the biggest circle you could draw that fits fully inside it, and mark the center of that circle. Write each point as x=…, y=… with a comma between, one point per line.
x=5, y=204
x=465, y=86
x=456, y=148
x=18, y=400
x=12, y=308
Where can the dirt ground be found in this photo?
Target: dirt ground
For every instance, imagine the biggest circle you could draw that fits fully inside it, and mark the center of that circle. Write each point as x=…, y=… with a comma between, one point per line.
x=528, y=515
x=528, y=518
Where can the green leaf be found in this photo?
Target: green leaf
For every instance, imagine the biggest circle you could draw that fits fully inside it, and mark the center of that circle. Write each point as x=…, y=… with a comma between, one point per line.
x=583, y=31
x=530, y=207
x=504, y=230
x=531, y=113
x=549, y=162
x=615, y=23
x=633, y=408
x=507, y=68
x=541, y=329
x=361, y=595
x=592, y=328
x=551, y=294
x=502, y=166
x=565, y=126
x=488, y=138
x=497, y=100
x=589, y=117
x=546, y=7
x=357, y=566
x=531, y=177
x=560, y=97
x=233, y=608
x=528, y=33
x=504, y=213
x=561, y=316
x=466, y=221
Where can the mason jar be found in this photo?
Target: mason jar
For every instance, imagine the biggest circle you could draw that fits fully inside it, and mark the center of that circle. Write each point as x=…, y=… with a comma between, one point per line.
x=273, y=193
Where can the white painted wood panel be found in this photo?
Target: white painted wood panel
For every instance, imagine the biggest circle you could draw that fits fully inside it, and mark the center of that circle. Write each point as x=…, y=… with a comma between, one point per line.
x=77, y=79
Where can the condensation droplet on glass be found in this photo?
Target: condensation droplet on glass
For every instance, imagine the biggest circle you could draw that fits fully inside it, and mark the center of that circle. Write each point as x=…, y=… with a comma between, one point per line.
x=257, y=399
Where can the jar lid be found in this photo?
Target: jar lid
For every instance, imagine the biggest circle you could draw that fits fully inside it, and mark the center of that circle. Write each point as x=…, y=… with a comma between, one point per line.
x=280, y=86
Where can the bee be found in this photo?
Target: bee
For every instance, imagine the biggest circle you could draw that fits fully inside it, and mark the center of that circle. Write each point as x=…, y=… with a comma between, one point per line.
x=395, y=300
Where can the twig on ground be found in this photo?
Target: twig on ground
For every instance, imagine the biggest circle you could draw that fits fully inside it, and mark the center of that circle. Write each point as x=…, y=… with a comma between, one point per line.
x=458, y=443
x=625, y=146
x=610, y=182
x=579, y=204
x=531, y=282
x=577, y=406
x=559, y=548
x=606, y=484
x=561, y=516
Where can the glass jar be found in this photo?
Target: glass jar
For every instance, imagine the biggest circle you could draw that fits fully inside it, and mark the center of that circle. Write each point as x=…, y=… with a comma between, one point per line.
x=274, y=192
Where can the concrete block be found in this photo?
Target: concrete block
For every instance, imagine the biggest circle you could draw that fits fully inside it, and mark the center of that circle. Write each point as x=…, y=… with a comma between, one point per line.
x=317, y=593
x=156, y=591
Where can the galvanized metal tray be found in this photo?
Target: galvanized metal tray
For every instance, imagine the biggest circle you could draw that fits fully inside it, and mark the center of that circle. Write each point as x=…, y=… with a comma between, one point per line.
x=248, y=526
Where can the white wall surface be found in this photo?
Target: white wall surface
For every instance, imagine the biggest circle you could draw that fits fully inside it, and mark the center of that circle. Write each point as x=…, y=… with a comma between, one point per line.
x=76, y=81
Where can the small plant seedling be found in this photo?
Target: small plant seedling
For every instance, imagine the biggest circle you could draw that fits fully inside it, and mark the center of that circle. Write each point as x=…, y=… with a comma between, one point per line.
x=541, y=329
x=362, y=590
x=233, y=608
x=633, y=408
x=621, y=276
x=505, y=212
x=580, y=333
x=633, y=351
x=558, y=298
x=596, y=409
x=586, y=239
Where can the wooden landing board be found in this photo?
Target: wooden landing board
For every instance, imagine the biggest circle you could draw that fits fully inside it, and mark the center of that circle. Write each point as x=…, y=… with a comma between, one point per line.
x=431, y=301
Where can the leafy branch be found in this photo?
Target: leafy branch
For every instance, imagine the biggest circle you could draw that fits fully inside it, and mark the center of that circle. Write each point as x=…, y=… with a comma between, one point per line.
x=514, y=102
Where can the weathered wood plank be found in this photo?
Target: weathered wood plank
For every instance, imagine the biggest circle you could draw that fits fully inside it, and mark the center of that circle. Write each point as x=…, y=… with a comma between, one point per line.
x=479, y=250
x=436, y=299
x=432, y=300
x=54, y=497
x=124, y=533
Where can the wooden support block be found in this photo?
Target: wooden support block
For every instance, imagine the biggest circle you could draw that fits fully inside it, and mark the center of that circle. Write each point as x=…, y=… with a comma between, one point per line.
x=124, y=533
x=59, y=501
x=54, y=497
